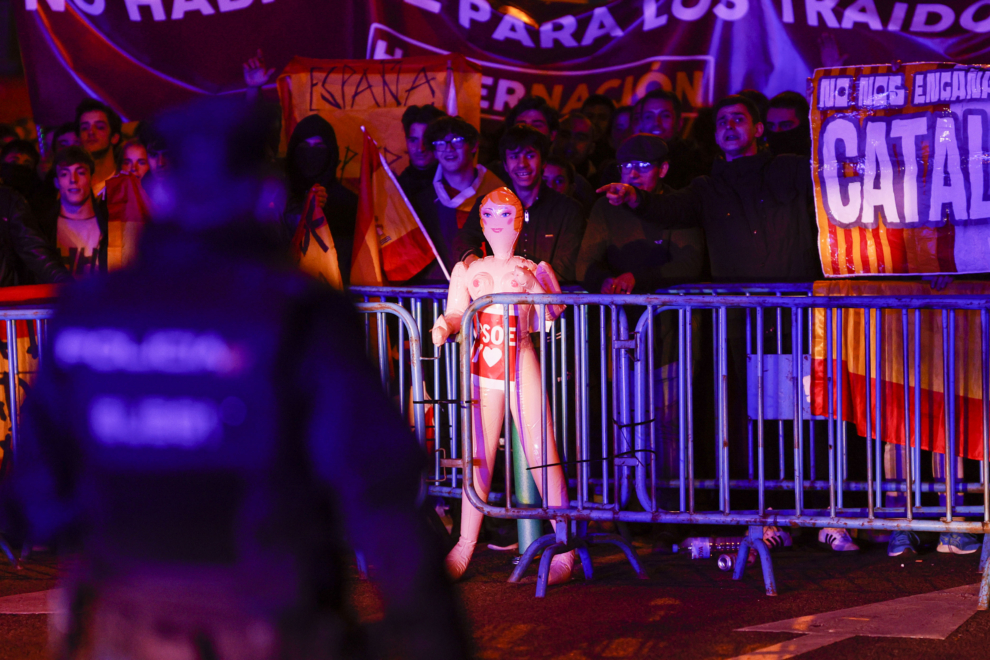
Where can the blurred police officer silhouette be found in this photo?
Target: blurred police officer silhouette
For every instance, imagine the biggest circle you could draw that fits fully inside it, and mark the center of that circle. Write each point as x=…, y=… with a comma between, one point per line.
x=205, y=433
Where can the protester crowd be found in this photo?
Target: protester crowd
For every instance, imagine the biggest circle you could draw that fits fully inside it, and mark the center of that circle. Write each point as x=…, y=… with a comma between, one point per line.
x=617, y=199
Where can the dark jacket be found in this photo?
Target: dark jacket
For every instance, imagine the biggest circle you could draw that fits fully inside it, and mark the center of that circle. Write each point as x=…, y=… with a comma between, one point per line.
x=48, y=227
x=617, y=240
x=25, y=251
x=687, y=162
x=552, y=233
x=756, y=215
x=414, y=180
x=341, y=206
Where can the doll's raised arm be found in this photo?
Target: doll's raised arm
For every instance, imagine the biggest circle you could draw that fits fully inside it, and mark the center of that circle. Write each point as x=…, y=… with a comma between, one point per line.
x=458, y=299
x=548, y=280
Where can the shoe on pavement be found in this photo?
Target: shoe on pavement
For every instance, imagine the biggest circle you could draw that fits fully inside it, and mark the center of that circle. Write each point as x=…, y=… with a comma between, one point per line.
x=776, y=538
x=903, y=543
x=837, y=539
x=959, y=544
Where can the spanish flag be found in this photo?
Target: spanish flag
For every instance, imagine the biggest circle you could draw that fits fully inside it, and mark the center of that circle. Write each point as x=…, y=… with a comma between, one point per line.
x=312, y=245
x=390, y=244
x=853, y=371
x=128, y=211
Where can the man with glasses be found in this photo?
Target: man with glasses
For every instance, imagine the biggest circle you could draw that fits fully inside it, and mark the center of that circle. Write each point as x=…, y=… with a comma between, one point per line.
x=443, y=208
x=623, y=253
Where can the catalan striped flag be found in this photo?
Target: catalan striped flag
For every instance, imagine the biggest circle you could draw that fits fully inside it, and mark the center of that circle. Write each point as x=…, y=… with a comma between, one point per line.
x=852, y=369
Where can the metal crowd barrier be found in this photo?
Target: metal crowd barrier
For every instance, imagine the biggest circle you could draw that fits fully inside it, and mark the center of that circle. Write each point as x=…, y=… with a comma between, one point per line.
x=849, y=497
x=599, y=387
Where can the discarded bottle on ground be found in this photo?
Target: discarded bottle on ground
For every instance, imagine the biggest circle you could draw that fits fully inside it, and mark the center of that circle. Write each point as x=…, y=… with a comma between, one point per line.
x=726, y=562
x=704, y=547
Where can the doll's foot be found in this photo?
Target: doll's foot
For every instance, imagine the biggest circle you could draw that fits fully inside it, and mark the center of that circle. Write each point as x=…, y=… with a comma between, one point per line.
x=560, y=568
x=458, y=559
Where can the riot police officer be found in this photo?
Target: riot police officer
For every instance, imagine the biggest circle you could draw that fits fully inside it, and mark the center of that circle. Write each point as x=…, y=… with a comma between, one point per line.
x=205, y=432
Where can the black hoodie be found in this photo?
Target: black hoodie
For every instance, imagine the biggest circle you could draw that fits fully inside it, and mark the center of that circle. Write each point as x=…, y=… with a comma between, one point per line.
x=341, y=206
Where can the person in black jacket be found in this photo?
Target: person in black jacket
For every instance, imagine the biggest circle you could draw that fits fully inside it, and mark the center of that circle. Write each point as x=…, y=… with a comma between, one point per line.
x=418, y=175
x=24, y=251
x=554, y=222
x=755, y=210
x=754, y=207
x=206, y=437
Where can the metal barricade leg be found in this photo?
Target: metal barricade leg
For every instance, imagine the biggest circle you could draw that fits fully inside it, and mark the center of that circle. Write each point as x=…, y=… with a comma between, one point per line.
x=754, y=539
x=985, y=555
x=362, y=565
x=984, y=602
x=527, y=495
x=10, y=553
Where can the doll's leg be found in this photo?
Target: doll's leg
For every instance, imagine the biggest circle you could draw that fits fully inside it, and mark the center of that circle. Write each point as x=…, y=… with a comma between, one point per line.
x=488, y=418
x=527, y=408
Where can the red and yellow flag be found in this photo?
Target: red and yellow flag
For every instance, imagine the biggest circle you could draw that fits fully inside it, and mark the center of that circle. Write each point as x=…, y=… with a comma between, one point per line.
x=312, y=245
x=129, y=210
x=852, y=369
x=390, y=244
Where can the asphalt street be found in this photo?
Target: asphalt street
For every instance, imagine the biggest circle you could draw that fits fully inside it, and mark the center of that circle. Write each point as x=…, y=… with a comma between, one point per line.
x=687, y=609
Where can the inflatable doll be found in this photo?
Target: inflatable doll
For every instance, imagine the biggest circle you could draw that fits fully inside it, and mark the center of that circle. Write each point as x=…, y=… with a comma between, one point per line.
x=502, y=218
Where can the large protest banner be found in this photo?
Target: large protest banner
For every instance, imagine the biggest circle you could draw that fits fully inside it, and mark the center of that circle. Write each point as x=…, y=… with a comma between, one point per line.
x=374, y=94
x=900, y=156
x=142, y=56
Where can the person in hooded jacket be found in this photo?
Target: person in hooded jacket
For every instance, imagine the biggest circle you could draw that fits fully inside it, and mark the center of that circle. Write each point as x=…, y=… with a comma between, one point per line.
x=311, y=164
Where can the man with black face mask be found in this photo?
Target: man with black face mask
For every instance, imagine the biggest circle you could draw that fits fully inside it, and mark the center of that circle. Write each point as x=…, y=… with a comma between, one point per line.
x=18, y=169
x=788, y=129
x=311, y=163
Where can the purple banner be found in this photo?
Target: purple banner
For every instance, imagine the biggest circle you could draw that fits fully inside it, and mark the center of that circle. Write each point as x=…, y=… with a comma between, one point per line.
x=142, y=55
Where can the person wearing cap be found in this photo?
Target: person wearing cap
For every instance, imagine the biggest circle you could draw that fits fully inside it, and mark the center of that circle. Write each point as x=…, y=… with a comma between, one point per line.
x=207, y=439
x=622, y=254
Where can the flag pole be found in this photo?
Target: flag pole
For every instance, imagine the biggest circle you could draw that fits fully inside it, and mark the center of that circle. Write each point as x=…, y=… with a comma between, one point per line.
x=405, y=200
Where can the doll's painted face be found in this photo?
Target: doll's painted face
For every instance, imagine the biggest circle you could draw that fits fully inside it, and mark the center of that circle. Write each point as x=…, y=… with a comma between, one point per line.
x=499, y=225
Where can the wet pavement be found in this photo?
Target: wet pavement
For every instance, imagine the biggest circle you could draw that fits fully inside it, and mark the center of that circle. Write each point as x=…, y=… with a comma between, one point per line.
x=687, y=609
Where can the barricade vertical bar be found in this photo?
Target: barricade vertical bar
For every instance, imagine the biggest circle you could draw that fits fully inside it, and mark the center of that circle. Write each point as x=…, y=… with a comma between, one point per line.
x=382, y=349
x=716, y=379
x=723, y=408
x=780, y=422
x=652, y=505
x=832, y=422
x=554, y=366
x=760, y=448
x=839, y=423
x=583, y=416
x=811, y=423
x=867, y=323
x=878, y=407
x=749, y=423
x=682, y=368
x=985, y=400
x=12, y=408
x=949, y=387
x=917, y=406
x=603, y=378
x=543, y=397
x=507, y=420
x=401, y=366
x=908, y=472
x=798, y=411
x=689, y=407
x=564, y=398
